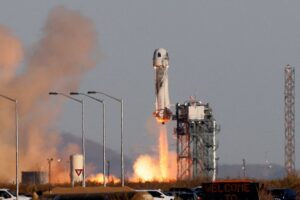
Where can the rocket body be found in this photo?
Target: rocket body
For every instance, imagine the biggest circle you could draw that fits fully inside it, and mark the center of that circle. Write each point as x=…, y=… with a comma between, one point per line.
x=162, y=102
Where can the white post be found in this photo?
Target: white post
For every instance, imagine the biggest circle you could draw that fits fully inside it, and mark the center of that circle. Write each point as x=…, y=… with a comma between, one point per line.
x=17, y=149
x=83, y=142
x=122, y=144
x=104, y=146
x=214, y=152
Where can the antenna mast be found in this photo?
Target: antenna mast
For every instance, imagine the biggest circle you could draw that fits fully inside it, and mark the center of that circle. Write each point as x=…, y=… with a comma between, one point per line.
x=289, y=125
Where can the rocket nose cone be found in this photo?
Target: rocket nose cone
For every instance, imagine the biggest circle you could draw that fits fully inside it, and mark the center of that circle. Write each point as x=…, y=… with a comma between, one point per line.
x=160, y=53
x=160, y=57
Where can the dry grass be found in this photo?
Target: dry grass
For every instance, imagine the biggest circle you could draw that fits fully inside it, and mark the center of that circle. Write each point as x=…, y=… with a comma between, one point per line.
x=291, y=181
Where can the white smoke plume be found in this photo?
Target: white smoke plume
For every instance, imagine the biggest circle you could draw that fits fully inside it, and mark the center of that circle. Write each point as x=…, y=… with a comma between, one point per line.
x=57, y=61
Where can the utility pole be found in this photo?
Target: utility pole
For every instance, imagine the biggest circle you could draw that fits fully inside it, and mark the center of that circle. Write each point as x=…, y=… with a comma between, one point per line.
x=244, y=168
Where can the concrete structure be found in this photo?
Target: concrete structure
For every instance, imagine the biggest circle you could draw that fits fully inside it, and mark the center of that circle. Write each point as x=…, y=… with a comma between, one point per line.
x=34, y=177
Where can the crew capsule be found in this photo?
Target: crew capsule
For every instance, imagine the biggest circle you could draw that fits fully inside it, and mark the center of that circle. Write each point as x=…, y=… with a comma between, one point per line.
x=160, y=58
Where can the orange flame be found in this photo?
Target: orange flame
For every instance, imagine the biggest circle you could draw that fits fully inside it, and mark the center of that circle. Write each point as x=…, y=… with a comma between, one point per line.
x=163, y=116
x=162, y=120
x=161, y=168
x=99, y=178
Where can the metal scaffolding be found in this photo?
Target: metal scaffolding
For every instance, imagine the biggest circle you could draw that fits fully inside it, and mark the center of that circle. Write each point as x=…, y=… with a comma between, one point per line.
x=196, y=141
x=289, y=125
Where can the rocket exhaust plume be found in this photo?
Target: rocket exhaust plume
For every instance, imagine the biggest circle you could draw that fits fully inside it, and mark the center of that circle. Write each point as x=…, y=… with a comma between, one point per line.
x=163, y=152
x=156, y=168
x=57, y=61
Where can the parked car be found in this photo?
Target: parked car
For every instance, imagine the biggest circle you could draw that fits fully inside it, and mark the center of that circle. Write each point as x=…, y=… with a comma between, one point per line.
x=283, y=193
x=181, y=189
x=6, y=194
x=184, y=193
x=168, y=193
x=157, y=194
x=199, y=192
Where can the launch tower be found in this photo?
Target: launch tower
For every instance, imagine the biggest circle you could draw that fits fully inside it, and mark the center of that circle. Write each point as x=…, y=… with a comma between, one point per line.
x=196, y=140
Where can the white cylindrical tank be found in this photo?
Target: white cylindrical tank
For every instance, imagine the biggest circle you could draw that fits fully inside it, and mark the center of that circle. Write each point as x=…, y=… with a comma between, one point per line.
x=76, y=168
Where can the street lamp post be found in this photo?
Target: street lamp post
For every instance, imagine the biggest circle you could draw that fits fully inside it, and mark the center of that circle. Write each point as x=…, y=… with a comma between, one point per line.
x=103, y=127
x=122, y=151
x=82, y=128
x=17, y=141
x=108, y=170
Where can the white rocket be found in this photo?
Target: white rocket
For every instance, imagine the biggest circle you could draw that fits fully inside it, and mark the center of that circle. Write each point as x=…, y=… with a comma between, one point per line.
x=162, y=104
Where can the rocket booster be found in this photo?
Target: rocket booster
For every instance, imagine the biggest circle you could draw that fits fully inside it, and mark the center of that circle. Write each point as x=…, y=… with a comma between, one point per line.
x=162, y=103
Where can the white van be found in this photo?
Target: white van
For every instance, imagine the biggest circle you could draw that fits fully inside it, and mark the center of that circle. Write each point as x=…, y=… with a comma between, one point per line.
x=6, y=194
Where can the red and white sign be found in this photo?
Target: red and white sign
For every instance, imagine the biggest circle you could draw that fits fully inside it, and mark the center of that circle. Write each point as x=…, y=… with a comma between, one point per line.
x=78, y=171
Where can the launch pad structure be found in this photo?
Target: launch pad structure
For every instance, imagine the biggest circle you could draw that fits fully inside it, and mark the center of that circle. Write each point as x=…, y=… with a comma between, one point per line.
x=196, y=131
